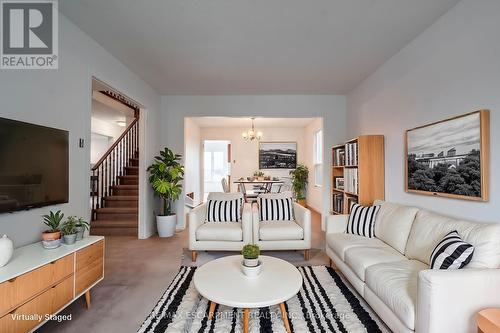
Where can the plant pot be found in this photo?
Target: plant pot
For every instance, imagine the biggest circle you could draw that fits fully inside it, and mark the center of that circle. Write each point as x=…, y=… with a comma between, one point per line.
x=51, y=244
x=49, y=235
x=70, y=239
x=166, y=225
x=302, y=202
x=6, y=250
x=79, y=233
x=251, y=262
x=251, y=272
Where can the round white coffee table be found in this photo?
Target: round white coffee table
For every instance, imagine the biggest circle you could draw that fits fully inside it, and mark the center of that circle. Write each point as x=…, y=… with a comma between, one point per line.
x=221, y=281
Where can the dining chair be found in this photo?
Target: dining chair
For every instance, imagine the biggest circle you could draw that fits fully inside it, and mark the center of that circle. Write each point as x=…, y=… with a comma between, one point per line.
x=249, y=197
x=225, y=186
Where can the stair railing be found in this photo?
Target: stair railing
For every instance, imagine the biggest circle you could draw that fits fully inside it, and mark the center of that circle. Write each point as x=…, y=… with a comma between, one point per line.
x=112, y=165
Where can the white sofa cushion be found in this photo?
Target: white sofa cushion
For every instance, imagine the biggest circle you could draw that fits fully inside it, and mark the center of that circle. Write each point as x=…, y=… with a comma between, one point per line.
x=359, y=258
x=395, y=283
x=216, y=231
x=393, y=224
x=339, y=243
x=430, y=228
x=280, y=230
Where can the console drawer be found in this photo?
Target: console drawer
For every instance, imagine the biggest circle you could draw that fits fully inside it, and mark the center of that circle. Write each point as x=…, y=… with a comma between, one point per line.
x=89, y=266
x=25, y=317
x=20, y=289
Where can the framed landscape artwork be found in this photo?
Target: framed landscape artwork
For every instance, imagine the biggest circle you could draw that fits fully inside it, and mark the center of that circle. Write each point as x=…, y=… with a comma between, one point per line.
x=450, y=158
x=277, y=155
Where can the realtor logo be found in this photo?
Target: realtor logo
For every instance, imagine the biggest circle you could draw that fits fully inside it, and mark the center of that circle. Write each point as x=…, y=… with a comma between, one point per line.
x=29, y=34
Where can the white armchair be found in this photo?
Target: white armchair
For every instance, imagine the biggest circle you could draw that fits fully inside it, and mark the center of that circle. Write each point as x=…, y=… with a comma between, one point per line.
x=283, y=235
x=219, y=236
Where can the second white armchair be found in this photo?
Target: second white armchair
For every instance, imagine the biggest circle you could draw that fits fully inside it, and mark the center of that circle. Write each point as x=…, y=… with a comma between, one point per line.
x=272, y=233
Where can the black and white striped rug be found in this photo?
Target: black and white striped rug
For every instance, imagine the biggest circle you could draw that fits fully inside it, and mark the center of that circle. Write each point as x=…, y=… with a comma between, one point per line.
x=324, y=304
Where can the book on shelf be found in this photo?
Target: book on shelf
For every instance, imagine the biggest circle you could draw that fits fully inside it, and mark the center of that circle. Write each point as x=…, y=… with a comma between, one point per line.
x=338, y=157
x=351, y=153
x=350, y=202
x=351, y=180
x=338, y=203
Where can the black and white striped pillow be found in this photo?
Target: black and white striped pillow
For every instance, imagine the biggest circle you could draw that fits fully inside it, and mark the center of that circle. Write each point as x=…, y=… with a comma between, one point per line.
x=362, y=220
x=224, y=210
x=451, y=252
x=276, y=209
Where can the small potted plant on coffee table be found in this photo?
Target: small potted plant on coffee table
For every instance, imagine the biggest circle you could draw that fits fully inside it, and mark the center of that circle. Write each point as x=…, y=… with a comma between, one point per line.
x=251, y=265
x=69, y=230
x=81, y=226
x=51, y=238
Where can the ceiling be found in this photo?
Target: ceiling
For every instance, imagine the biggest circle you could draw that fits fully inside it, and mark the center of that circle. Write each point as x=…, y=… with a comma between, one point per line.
x=254, y=46
x=246, y=122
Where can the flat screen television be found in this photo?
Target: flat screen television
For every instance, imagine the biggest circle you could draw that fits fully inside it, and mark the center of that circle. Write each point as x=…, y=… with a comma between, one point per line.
x=34, y=165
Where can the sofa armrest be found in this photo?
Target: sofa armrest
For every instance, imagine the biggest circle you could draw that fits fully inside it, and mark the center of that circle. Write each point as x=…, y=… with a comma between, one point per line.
x=448, y=300
x=196, y=219
x=336, y=224
x=303, y=218
x=246, y=223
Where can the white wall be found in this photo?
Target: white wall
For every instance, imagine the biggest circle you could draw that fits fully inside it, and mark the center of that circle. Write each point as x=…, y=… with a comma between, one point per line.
x=62, y=99
x=314, y=193
x=192, y=154
x=450, y=69
x=331, y=107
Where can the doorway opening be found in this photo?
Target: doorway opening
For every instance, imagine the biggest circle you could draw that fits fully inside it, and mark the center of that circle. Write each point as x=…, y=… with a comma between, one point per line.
x=114, y=162
x=216, y=166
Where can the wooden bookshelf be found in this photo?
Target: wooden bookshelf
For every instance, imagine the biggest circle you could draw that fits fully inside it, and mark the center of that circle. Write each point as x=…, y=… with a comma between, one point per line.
x=360, y=162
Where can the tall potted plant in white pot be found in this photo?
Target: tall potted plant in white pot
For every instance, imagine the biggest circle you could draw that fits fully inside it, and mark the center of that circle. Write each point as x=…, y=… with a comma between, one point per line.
x=166, y=175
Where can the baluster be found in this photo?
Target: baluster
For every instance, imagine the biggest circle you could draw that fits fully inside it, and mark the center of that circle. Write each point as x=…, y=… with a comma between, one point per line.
x=92, y=184
x=121, y=157
x=113, y=167
x=109, y=178
x=103, y=180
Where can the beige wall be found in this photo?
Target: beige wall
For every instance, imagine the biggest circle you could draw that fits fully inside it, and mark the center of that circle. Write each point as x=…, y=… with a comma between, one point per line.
x=192, y=152
x=314, y=193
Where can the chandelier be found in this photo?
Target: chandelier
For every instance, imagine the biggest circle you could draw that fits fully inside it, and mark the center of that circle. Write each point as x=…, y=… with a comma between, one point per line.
x=252, y=134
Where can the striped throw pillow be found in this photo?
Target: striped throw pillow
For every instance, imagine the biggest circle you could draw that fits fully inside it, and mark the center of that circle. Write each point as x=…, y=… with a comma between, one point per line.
x=224, y=210
x=276, y=209
x=451, y=252
x=362, y=220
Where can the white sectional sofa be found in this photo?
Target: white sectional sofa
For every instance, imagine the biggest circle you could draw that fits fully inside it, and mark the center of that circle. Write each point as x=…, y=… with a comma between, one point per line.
x=391, y=272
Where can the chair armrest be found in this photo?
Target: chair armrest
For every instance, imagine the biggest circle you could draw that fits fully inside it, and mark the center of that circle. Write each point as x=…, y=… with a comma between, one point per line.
x=255, y=222
x=303, y=218
x=336, y=224
x=246, y=223
x=196, y=219
x=448, y=300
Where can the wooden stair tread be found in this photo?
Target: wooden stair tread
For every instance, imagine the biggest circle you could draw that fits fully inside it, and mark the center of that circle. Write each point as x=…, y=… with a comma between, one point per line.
x=126, y=187
x=118, y=210
x=114, y=224
x=122, y=198
x=129, y=176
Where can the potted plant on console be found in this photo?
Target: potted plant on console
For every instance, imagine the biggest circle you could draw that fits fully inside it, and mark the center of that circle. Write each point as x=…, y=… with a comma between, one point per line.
x=251, y=265
x=166, y=175
x=69, y=230
x=81, y=226
x=51, y=238
x=300, y=177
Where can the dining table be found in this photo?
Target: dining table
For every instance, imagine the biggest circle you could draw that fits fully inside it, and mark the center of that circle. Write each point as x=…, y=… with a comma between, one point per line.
x=266, y=185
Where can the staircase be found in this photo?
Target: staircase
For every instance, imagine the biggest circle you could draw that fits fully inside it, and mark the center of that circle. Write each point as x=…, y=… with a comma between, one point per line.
x=115, y=187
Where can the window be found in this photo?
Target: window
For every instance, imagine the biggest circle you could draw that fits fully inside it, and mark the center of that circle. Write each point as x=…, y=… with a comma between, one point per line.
x=318, y=158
